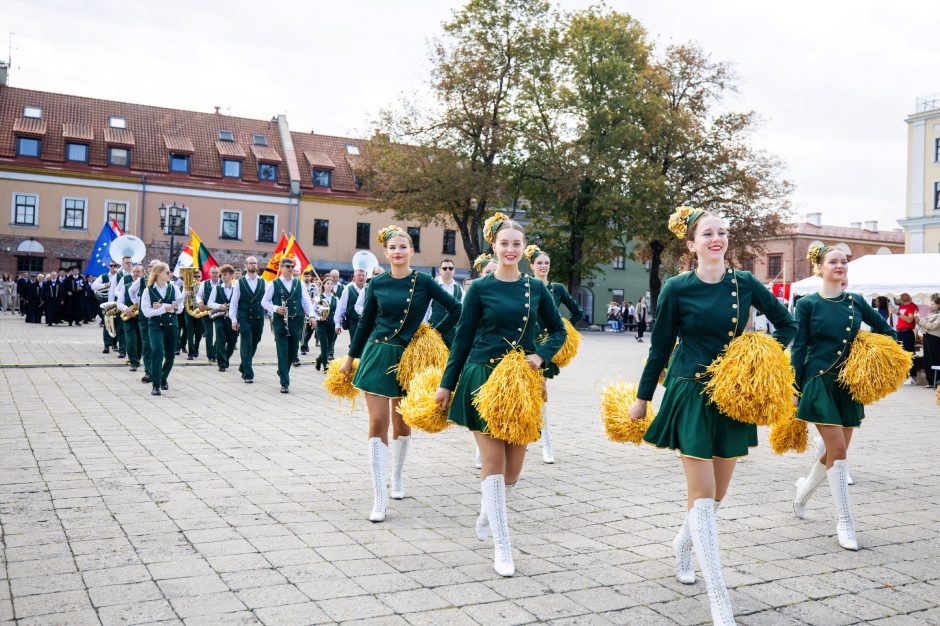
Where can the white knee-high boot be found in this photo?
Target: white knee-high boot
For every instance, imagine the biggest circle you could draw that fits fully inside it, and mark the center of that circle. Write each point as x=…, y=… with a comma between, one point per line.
x=399, y=452
x=806, y=487
x=821, y=450
x=483, y=523
x=840, y=494
x=378, y=462
x=494, y=497
x=477, y=460
x=704, y=531
x=682, y=546
x=548, y=454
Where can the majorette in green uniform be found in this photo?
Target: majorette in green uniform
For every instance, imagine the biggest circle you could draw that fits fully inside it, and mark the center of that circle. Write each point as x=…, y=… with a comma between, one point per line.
x=220, y=301
x=288, y=303
x=161, y=303
x=247, y=316
x=394, y=307
x=829, y=322
x=502, y=313
x=704, y=309
x=326, y=327
x=541, y=265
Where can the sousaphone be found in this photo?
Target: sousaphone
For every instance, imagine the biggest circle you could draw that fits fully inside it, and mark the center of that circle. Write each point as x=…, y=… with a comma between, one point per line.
x=365, y=260
x=127, y=245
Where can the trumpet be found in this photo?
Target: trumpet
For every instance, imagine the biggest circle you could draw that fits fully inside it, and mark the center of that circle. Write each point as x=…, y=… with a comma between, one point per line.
x=130, y=312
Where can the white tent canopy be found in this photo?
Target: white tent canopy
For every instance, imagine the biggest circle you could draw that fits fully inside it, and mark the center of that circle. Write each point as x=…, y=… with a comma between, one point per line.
x=885, y=275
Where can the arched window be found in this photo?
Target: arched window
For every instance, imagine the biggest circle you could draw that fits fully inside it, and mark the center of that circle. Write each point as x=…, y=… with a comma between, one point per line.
x=884, y=250
x=845, y=248
x=30, y=246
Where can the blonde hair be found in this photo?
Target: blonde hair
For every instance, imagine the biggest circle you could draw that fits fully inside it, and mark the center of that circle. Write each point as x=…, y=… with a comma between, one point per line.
x=392, y=231
x=155, y=271
x=498, y=222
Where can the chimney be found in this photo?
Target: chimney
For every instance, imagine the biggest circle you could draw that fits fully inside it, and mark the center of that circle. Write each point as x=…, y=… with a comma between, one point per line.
x=4, y=67
x=855, y=224
x=217, y=109
x=814, y=218
x=872, y=225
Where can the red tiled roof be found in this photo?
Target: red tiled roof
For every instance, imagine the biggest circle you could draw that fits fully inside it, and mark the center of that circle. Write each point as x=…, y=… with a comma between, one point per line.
x=230, y=149
x=334, y=149
x=118, y=136
x=29, y=126
x=266, y=154
x=319, y=160
x=83, y=132
x=179, y=143
x=146, y=128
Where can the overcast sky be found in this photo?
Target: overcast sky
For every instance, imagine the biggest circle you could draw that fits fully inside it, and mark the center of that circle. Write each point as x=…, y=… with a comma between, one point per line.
x=832, y=80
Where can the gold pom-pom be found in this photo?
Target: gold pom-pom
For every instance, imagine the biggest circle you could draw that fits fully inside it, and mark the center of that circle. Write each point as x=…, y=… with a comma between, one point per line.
x=491, y=226
x=510, y=401
x=788, y=433
x=481, y=261
x=752, y=381
x=569, y=349
x=387, y=232
x=875, y=368
x=616, y=400
x=532, y=251
x=678, y=221
x=426, y=349
x=338, y=384
x=418, y=408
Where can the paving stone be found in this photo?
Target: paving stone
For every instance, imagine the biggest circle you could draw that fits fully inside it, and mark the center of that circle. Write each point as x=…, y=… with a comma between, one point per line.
x=123, y=594
x=208, y=604
x=354, y=608
x=504, y=613
x=292, y=615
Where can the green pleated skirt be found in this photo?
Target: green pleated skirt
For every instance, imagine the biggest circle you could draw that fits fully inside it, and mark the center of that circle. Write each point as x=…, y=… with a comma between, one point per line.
x=461, y=409
x=825, y=401
x=688, y=422
x=377, y=371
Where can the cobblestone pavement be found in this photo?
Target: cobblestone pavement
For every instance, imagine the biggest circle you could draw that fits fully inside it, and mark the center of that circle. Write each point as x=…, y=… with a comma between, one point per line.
x=223, y=503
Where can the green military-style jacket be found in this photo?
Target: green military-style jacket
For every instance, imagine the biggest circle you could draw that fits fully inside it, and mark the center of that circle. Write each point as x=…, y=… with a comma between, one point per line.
x=561, y=296
x=705, y=317
x=827, y=328
x=499, y=316
x=395, y=307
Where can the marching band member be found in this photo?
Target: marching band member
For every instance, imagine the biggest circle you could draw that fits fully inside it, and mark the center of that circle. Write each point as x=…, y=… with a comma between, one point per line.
x=541, y=264
x=105, y=280
x=500, y=313
x=220, y=300
x=436, y=312
x=124, y=276
x=326, y=326
x=347, y=312
x=128, y=294
x=247, y=316
x=195, y=326
x=313, y=291
x=338, y=286
x=161, y=303
x=705, y=309
x=395, y=303
x=293, y=304
x=203, y=294
x=829, y=321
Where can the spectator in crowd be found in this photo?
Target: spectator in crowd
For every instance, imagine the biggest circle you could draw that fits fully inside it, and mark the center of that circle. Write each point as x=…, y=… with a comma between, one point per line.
x=930, y=325
x=630, y=316
x=907, y=310
x=21, y=283
x=640, y=312
x=7, y=286
x=613, y=316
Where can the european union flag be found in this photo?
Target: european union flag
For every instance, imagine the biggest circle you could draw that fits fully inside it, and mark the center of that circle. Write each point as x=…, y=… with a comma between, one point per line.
x=100, y=254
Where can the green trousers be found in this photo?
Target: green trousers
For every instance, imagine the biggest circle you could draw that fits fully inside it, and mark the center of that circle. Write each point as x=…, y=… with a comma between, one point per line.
x=225, y=339
x=132, y=340
x=288, y=345
x=249, y=332
x=108, y=339
x=209, y=331
x=119, y=339
x=163, y=342
x=326, y=333
x=144, y=326
x=194, y=334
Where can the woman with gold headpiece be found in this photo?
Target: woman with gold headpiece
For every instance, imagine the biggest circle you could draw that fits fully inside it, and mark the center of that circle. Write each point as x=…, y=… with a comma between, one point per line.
x=541, y=264
x=394, y=307
x=499, y=317
x=829, y=322
x=704, y=309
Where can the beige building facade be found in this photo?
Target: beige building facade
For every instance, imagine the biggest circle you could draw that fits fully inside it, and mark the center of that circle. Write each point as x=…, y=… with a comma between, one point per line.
x=922, y=216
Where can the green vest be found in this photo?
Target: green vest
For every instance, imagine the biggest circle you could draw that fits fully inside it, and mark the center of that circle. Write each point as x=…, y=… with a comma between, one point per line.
x=249, y=304
x=351, y=314
x=220, y=297
x=207, y=290
x=128, y=281
x=167, y=318
x=291, y=299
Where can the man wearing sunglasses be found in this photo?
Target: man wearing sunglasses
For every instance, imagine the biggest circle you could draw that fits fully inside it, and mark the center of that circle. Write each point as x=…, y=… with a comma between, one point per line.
x=435, y=311
x=286, y=300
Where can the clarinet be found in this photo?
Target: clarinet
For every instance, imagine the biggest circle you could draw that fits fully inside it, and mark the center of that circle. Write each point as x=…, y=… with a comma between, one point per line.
x=286, y=315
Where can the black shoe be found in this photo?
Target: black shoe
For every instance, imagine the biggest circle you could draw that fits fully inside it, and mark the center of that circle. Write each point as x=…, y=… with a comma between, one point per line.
x=296, y=363
x=249, y=380
x=106, y=350
x=196, y=354
x=283, y=389
x=189, y=357
x=303, y=352
x=122, y=355
x=133, y=368
x=178, y=352
x=146, y=379
x=155, y=392
x=222, y=369
x=164, y=386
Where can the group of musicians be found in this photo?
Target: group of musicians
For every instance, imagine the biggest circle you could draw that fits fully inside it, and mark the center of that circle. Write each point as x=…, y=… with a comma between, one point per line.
x=150, y=317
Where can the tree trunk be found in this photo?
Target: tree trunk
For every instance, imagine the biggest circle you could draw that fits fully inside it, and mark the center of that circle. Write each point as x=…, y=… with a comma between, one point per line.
x=656, y=251
x=470, y=245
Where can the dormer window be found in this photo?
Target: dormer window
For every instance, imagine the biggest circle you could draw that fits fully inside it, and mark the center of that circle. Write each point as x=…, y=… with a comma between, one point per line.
x=226, y=135
x=117, y=122
x=179, y=163
x=259, y=140
x=352, y=149
x=76, y=152
x=33, y=112
x=231, y=168
x=322, y=178
x=27, y=147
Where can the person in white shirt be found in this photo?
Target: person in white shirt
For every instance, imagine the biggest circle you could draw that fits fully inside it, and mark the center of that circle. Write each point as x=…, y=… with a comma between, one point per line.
x=126, y=295
x=105, y=280
x=161, y=303
x=202, y=301
x=220, y=300
x=347, y=316
x=288, y=303
x=122, y=277
x=247, y=316
x=436, y=312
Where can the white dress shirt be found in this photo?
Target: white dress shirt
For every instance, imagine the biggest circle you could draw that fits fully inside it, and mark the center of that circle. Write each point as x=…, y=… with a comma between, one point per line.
x=451, y=289
x=150, y=311
x=132, y=290
x=213, y=302
x=343, y=304
x=199, y=291
x=252, y=285
x=98, y=284
x=271, y=308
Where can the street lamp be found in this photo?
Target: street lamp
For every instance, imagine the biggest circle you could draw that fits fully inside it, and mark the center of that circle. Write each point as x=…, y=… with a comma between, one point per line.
x=171, y=218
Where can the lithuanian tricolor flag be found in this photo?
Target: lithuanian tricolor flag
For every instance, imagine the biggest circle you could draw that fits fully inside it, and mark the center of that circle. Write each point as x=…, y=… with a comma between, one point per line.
x=195, y=254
